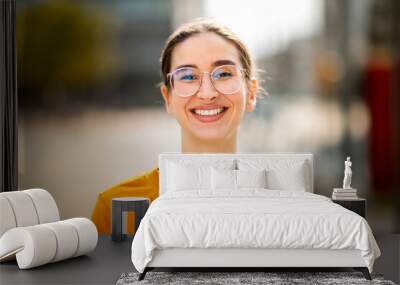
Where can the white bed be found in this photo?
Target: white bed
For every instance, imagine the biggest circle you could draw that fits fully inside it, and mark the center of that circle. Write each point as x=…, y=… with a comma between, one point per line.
x=215, y=211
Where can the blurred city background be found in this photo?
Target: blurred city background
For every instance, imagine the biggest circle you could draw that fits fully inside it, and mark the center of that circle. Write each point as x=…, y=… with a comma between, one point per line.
x=91, y=114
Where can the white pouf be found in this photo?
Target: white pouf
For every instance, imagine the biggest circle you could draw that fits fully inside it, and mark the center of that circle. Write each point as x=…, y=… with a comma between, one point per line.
x=31, y=232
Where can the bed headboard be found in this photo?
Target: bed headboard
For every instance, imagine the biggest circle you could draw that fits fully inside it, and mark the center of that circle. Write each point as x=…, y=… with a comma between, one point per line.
x=237, y=159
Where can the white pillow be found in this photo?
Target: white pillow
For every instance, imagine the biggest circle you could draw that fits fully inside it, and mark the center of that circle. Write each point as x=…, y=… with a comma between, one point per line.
x=282, y=174
x=291, y=179
x=187, y=177
x=236, y=179
x=223, y=179
x=251, y=178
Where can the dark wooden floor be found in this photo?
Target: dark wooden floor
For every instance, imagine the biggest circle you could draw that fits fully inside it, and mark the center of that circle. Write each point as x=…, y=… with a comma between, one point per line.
x=389, y=262
x=102, y=266
x=110, y=260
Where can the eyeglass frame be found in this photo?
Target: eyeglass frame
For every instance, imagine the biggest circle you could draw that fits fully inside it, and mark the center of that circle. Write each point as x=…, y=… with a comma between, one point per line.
x=240, y=69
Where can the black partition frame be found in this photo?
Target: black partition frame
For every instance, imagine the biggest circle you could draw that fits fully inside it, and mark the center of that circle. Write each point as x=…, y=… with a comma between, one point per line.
x=8, y=98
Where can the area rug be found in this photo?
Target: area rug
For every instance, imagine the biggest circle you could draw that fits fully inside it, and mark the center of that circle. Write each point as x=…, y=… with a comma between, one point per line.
x=273, y=278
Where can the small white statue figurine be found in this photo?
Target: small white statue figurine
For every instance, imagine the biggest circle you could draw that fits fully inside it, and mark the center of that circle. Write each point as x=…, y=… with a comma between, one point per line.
x=347, y=174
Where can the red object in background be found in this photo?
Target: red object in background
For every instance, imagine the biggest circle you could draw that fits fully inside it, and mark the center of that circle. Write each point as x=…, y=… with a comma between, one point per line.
x=378, y=93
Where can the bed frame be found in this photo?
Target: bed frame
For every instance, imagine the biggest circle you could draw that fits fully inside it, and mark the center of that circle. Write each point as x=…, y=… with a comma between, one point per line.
x=249, y=259
x=261, y=259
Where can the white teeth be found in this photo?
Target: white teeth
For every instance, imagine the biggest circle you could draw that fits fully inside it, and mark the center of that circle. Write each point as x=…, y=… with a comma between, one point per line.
x=211, y=112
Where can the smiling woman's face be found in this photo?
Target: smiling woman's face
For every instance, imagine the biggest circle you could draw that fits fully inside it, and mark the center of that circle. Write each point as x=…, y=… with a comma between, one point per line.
x=219, y=124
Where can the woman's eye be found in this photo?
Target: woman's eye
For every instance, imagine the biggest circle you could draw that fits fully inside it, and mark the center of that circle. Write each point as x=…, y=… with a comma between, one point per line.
x=187, y=77
x=222, y=74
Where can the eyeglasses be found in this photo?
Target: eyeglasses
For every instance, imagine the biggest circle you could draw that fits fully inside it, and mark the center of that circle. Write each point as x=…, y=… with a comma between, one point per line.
x=186, y=81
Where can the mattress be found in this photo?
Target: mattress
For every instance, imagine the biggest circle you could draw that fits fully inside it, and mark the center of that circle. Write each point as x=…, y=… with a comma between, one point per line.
x=250, y=219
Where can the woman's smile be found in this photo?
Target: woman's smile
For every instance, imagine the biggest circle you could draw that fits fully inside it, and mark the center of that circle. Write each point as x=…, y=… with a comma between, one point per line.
x=208, y=114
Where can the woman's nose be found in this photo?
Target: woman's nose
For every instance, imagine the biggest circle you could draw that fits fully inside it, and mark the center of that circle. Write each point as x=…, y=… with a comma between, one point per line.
x=207, y=90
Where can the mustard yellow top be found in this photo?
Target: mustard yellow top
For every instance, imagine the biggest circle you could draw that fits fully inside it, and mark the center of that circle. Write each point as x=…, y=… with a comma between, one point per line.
x=145, y=185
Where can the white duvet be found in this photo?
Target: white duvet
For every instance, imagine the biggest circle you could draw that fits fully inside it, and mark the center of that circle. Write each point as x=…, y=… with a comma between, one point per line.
x=250, y=219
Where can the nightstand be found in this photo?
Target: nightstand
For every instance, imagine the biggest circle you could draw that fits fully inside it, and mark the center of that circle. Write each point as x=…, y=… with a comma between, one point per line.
x=139, y=205
x=358, y=206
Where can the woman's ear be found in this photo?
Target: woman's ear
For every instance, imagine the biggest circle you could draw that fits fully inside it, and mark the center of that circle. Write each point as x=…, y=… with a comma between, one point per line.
x=251, y=99
x=167, y=98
